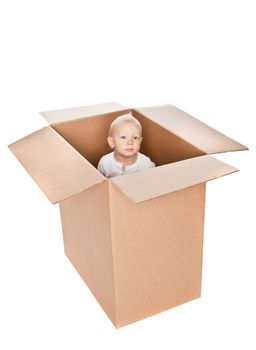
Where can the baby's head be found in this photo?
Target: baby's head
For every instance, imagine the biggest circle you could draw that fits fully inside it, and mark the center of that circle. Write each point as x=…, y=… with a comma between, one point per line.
x=125, y=136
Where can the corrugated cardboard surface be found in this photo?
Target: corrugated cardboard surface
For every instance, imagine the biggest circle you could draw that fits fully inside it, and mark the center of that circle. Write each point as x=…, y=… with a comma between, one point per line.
x=191, y=129
x=157, y=251
x=162, y=145
x=61, y=115
x=58, y=169
x=87, y=241
x=136, y=259
x=155, y=182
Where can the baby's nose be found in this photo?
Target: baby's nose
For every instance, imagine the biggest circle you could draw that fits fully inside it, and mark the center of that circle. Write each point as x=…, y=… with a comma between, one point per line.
x=130, y=140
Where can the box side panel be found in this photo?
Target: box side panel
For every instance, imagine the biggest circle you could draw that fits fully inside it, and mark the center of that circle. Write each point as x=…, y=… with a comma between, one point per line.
x=87, y=241
x=162, y=145
x=157, y=251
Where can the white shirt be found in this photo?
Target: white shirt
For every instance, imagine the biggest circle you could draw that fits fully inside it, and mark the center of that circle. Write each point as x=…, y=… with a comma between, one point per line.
x=110, y=167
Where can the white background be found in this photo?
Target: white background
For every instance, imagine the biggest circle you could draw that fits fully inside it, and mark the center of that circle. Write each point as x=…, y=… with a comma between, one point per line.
x=197, y=55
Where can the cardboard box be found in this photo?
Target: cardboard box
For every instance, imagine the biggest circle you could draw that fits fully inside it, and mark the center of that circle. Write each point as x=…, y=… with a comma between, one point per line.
x=136, y=240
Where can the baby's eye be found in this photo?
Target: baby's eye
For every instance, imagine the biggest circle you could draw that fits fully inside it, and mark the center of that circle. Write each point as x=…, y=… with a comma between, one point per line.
x=123, y=137
x=136, y=137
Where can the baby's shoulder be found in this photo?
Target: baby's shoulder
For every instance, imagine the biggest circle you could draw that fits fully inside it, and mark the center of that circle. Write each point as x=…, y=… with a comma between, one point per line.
x=107, y=158
x=145, y=160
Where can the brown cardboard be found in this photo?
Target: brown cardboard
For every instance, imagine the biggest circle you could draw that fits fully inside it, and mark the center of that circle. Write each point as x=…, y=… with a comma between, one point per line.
x=68, y=114
x=136, y=240
x=152, y=183
x=191, y=129
x=157, y=251
x=136, y=259
x=59, y=170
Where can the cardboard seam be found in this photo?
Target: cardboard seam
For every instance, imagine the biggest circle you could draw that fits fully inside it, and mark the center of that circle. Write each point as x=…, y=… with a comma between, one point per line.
x=111, y=233
x=203, y=218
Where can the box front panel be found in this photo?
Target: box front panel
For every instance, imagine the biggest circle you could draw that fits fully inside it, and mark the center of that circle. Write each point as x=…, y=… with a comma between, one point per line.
x=157, y=251
x=87, y=241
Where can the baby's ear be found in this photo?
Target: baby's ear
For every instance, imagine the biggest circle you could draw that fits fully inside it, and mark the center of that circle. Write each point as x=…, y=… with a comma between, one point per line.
x=110, y=142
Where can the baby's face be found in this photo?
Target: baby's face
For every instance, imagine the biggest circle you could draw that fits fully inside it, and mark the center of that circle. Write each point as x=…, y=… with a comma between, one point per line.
x=126, y=139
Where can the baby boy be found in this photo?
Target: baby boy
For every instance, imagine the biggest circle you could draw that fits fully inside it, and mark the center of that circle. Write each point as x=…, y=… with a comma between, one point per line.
x=125, y=136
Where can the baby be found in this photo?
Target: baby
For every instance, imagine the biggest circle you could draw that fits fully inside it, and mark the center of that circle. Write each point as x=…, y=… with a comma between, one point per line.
x=125, y=136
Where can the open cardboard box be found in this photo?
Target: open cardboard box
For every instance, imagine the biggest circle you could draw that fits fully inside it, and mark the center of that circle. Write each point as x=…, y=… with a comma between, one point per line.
x=136, y=240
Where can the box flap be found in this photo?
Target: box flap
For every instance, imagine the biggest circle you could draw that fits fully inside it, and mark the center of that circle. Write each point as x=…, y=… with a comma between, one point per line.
x=61, y=115
x=191, y=129
x=58, y=169
x=155, y=182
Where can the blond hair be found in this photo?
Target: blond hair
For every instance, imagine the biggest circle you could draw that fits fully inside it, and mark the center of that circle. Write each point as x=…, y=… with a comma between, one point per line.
x=124, y=118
